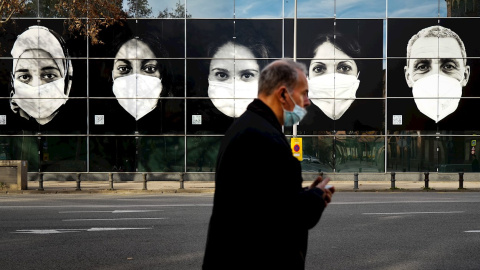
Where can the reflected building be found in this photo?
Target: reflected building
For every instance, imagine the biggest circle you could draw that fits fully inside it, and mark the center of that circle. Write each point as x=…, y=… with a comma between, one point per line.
x=463, y=8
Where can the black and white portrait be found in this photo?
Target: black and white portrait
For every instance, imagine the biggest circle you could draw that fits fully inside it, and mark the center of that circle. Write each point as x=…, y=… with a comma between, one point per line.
x=41, y=75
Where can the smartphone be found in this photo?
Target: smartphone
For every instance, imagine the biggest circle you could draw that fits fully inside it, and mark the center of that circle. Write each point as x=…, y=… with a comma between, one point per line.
x=328, y=186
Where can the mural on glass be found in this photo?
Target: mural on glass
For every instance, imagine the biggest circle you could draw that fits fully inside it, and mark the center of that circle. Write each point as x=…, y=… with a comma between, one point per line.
x=237, y=53
x=41, y=75
x=338, y=77
x=433, y=88
x=137, y=85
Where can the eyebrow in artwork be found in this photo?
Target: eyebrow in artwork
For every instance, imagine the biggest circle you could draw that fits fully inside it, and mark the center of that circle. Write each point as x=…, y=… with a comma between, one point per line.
x=221, y=70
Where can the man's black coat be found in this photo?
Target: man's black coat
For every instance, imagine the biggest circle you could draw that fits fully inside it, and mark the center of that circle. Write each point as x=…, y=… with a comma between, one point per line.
x=261, y=213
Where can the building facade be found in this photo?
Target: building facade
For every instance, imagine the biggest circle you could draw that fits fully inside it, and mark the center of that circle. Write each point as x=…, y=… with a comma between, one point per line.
x=159, y=93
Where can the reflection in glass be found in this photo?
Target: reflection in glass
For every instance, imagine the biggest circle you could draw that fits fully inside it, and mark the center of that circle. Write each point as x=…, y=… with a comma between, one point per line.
x=63, y=154
x=413, y=8
x=311, y=9
x=41, y=76
x=21, y=148
x=113, y=154
x=202, y=153
x=361, y=153
x=258, y=9
x=205, y=9
x=161, y=154
x=361, y=9
x=318, y=154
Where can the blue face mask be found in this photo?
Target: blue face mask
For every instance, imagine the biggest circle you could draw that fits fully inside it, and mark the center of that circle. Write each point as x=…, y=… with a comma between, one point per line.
x=295, y=116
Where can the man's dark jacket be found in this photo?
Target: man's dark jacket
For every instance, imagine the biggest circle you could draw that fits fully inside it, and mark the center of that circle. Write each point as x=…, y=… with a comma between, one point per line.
x=261, y=214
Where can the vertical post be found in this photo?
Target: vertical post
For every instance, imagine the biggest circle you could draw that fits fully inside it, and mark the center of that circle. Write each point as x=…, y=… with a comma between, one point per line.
x=40, y=182
x=182, y=180
x=144, y=181
x=426, y=180
x=393, y=181
x=460, y=180
x=78, y=182
x=355, y=181
x=110, y=179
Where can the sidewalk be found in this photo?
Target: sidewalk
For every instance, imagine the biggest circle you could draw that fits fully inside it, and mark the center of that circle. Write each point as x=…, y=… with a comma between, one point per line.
x=126, y=187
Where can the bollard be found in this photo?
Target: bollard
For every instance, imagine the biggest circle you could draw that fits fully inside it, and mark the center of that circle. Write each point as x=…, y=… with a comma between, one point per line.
x=78, y=182
x=426, y=180
x=144, y=181
x=182, y=180
x=110, y=179
x=355, y=181
x=460, y=180
x=393, y=181
x=40, y=182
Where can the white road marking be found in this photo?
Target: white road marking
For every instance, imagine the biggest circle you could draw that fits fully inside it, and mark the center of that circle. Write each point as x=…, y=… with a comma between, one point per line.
x=477, y=231
x=113, y=212
x=108, y=219
x=415, y=213
x=56, y=231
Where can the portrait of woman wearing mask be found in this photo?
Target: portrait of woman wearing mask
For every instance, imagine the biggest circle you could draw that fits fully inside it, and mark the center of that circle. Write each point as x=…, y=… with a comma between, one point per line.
x=333, y=83
x=137, y=75
x=41, y=75
x=234, y=71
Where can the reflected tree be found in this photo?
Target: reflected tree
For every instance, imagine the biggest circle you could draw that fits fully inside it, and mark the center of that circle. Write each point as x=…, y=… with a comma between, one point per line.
x=139, y=9
x=178, y=12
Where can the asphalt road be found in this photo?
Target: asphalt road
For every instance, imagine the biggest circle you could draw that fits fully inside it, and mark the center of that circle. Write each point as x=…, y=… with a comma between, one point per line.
x=418, y=230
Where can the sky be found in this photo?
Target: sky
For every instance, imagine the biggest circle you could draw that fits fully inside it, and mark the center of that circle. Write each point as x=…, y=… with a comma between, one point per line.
x=306, y=8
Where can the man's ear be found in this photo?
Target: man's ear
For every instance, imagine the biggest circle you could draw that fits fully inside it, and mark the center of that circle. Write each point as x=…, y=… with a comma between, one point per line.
x=407, y=77
x=466, y=76
x=281, y=93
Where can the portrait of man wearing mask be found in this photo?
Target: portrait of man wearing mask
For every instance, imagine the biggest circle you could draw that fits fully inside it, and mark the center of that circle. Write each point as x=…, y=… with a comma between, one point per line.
x=41, y=75
x=436, y=71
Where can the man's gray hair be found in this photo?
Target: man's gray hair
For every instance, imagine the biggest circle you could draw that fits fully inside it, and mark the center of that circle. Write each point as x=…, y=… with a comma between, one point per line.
x=280, y=72
x=436, y=31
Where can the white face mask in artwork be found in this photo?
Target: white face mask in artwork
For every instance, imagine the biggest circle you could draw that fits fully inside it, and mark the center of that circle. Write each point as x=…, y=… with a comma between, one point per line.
x=437, y=96
x=333, y=93
x=40, y=101
x=232, y=101
x=137, y=94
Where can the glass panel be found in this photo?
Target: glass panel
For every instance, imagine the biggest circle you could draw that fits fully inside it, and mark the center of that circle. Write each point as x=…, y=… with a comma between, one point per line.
x=166, y=38
x=360, y=9
x=457, y=26
x=400, y=31
x=113, y=38
x=71, y=118
x=161, y=154
x=21, y=148
x=204, y=118
x=73, y=45
x=458, y=154
x=311, y=9
x=367, y=33
x=413, y=8
x=407, y=153
x=113, y=154
x=403, y=115
x=63, y=154
x=318, y=154
x=310, y=34
x=262, y=37
x=202, y=153
x=204, y=37
x=258, y=9
x=107, y=116
x=211, y=8
x=166, y=118
x=362, y=153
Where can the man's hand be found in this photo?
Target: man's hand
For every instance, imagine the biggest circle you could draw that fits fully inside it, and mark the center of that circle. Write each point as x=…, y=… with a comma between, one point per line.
x=327, y=192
